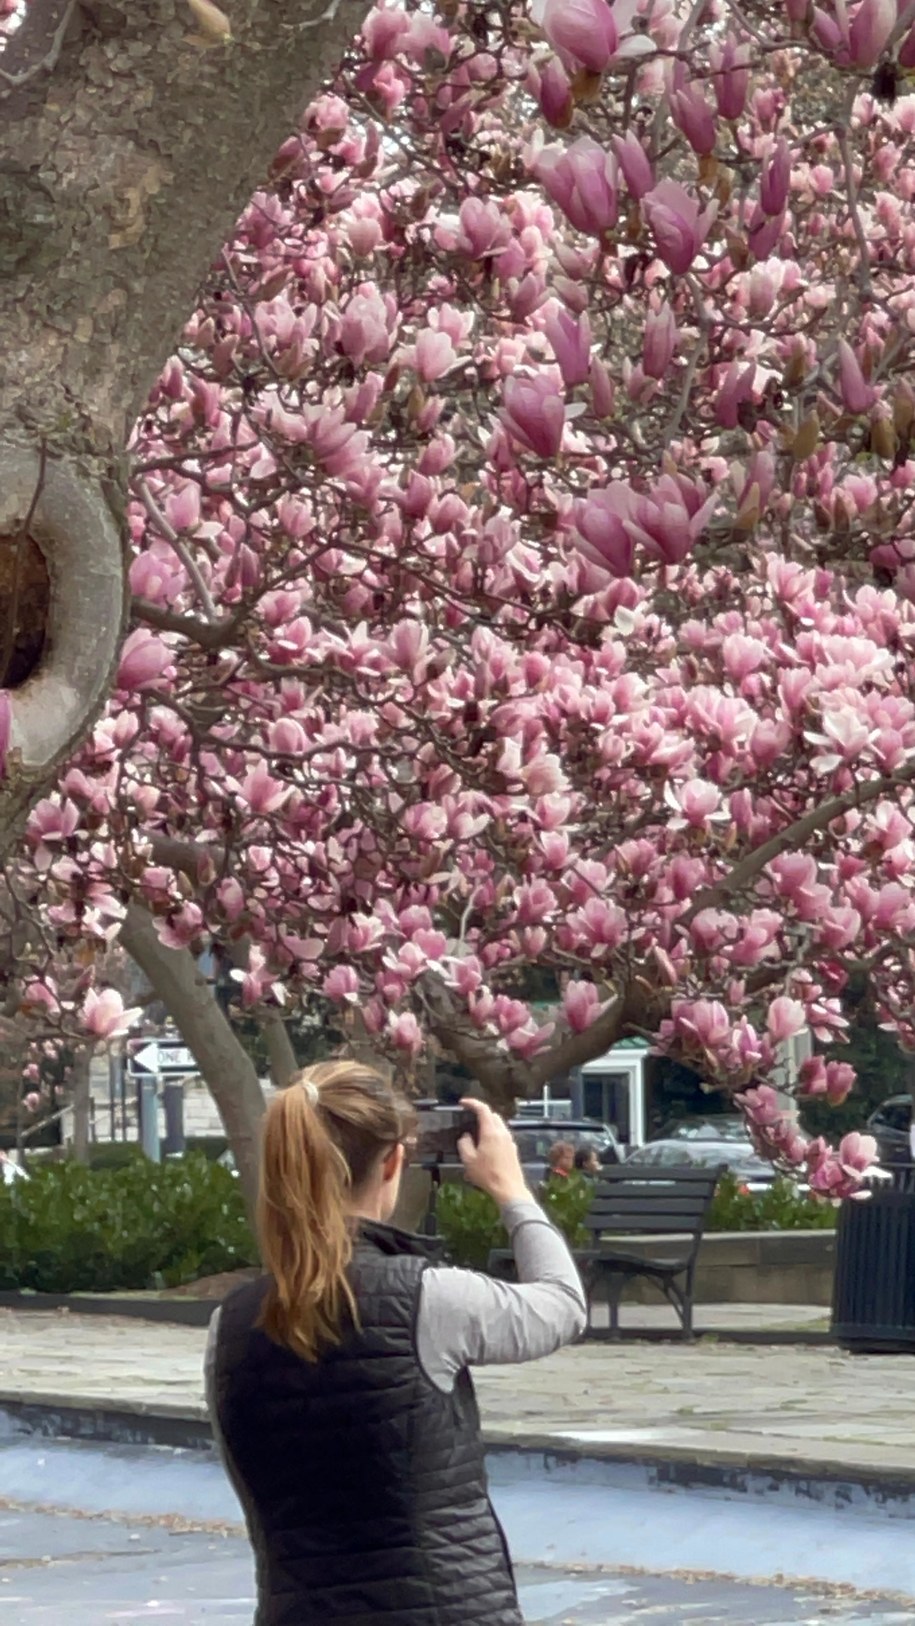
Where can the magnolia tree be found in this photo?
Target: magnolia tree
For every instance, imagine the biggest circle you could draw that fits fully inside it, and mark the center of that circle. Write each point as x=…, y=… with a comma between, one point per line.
x=130, y=136
x=523, y=564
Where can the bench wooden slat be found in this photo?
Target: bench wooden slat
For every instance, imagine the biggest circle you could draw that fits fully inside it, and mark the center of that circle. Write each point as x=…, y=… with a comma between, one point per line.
x=647, y=1225
x=626, y=1202
x=624, y=1173
x=640, y=1200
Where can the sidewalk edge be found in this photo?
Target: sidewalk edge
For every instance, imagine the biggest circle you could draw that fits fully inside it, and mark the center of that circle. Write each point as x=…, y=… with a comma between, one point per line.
x=187, y=1427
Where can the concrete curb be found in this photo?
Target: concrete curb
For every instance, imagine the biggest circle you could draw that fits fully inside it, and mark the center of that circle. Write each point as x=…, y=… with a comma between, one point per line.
x=166, y=1312
x=198, y=1312
x=735, y=1473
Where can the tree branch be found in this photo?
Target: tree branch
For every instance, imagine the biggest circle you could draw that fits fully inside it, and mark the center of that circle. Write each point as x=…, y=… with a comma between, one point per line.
x=225, y=1066
x=795, y=836
x=183, y=552
x=505, y=1077
x=218, y=634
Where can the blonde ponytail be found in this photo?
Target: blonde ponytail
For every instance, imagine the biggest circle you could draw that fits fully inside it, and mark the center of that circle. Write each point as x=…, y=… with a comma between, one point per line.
x=323, y=1135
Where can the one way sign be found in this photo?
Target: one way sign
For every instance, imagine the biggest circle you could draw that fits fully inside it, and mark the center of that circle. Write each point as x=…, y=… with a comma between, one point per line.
x=161, y=1056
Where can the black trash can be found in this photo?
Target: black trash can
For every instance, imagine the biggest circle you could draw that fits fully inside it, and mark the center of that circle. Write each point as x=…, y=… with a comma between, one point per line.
x=873, y=1310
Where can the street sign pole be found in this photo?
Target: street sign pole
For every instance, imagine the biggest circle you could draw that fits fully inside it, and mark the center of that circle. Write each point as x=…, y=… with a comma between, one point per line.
x=148, y=1115
x=173, y=1099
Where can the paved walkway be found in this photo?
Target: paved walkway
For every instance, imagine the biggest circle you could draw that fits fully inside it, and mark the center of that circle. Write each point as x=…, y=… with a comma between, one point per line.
x=89, y=1573
x=811, y=1408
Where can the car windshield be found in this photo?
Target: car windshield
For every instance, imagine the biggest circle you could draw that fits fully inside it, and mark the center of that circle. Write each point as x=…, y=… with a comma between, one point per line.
x=534, y=1141
x=701, y=1154
x=716, y=1129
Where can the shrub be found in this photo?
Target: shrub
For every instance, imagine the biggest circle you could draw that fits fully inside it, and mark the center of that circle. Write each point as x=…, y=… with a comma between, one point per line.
x=781, y=1208
x=71, y=1229
x=470, y=1226
x=469, y=1221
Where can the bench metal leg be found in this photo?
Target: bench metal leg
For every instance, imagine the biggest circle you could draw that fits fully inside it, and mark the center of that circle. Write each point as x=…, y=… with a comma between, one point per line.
x=615, y=1288
x=681, y=1299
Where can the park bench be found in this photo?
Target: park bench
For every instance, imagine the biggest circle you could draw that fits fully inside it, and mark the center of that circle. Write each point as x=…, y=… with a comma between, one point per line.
x=636, y=1200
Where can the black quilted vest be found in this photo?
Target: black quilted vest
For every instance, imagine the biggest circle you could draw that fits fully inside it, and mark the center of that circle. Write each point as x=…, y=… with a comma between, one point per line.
x=364, y=1485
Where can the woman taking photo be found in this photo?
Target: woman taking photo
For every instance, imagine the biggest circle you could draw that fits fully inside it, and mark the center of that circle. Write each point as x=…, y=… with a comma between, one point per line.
x=339, y=1385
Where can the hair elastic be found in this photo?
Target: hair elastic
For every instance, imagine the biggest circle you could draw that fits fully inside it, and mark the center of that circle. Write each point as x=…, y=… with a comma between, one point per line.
x=311, y=1090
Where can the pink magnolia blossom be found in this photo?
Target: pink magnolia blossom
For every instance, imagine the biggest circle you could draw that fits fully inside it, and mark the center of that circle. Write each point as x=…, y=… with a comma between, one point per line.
x=691, y=114
x=433, y=354
x=833, y=1080
x=703, y=1022
x=634, y=162
x=660, y=342
x=581, y=1005
x=145, y=660
x=857, y=395
x=554, y=95
x=182, y=507
x=785, y=1019
x=104, y=1016
x=570, y=338
x=731, y=76
x=870, y=30
x=41, y=995
x=678, y=225
x=857, y=1152
x=773, y=186
x=405, y=1033
x=582, y=180
x=603, y=533
x=583, y=31
x=668, y=520
x=533, y=412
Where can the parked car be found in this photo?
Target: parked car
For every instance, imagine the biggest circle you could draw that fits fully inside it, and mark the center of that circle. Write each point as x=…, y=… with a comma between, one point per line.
x=891, y=1127
x=726, y=1126
x=535, y=1136
x=750, y=1171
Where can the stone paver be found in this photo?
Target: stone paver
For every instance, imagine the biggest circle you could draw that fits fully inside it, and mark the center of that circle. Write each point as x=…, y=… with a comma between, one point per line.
x=813, y=1407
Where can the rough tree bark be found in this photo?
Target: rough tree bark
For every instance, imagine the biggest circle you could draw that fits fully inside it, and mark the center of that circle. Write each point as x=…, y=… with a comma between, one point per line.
x=283, y=1065
x=225, y=1067
x=129, y=142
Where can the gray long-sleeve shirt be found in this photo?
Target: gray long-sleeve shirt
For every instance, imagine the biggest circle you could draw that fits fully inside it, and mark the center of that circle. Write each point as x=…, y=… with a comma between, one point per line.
x=467, y=1319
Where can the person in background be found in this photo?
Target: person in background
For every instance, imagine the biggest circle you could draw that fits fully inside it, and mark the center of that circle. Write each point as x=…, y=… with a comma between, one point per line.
x=587, y=1162
x=560, y=1160
x=339, y=1384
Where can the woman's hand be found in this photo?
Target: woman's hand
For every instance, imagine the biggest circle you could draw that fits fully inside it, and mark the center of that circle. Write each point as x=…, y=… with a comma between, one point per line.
x=492, y=1162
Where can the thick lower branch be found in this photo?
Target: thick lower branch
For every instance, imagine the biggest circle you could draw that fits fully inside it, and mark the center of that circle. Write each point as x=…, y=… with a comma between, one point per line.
x=503, y=1076
x=225, y=1066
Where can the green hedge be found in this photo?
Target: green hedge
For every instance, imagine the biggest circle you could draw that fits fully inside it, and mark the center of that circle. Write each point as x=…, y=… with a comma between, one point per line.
x=781, y=1208
x=144, y=1225
x=70, y=1229
x=469, y=1220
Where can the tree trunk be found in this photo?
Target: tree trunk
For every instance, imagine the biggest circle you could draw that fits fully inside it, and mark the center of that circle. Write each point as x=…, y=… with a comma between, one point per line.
x=81, y=1104
x=225, y=1066
x=283, y=1065
x=129, y=143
